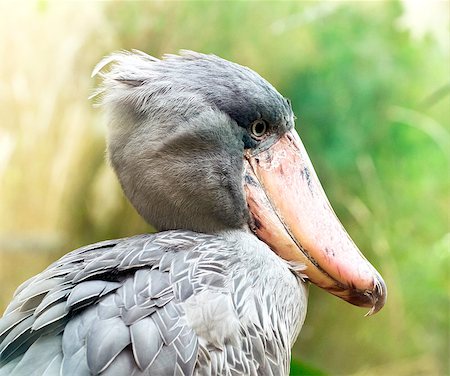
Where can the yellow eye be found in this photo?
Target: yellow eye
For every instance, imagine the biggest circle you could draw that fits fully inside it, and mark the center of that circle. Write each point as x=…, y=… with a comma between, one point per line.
x=258, y=128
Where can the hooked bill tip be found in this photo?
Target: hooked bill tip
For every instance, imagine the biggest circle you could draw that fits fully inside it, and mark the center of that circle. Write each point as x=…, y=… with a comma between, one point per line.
x=378, y=295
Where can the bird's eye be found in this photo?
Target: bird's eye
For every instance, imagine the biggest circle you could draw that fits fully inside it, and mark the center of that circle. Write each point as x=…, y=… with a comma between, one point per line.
x=258, y=129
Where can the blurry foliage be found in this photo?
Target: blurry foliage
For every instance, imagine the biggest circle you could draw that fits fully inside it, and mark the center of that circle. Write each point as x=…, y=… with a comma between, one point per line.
x=372, y=102
x=300, y=368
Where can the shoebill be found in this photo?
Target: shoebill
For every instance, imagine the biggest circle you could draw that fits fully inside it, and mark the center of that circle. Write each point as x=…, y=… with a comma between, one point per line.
x=206, y=151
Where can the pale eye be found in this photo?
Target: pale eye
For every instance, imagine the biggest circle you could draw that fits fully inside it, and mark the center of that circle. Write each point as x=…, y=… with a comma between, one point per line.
x=258, y=128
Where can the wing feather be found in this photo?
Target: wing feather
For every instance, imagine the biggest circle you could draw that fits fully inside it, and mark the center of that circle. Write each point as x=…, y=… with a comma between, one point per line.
x=42, y=358
x=105, y=341
x=76, y=364
x=89, y=290
x=10, y=321
x=146, y=342
x=54, y=296
x=117, y=307
x=49, y=316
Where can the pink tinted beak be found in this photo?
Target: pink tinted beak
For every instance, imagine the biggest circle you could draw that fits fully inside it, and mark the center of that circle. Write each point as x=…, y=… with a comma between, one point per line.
x=292, y=214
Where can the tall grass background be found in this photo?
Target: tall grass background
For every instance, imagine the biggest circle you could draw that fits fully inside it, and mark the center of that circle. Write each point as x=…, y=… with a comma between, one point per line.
x=369, y=82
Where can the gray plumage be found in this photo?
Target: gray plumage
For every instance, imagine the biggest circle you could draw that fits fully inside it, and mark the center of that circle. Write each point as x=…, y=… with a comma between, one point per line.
x=183, y=122
x=206, y=297
x=126, y=309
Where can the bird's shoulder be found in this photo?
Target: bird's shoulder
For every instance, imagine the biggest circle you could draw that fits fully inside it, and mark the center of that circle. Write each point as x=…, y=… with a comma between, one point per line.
x=108, y=301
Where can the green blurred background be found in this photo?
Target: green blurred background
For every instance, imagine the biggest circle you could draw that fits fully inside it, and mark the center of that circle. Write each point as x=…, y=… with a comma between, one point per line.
x=369, y=82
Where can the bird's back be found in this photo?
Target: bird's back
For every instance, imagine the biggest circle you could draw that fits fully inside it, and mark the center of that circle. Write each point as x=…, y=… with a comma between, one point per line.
x=173, y=303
